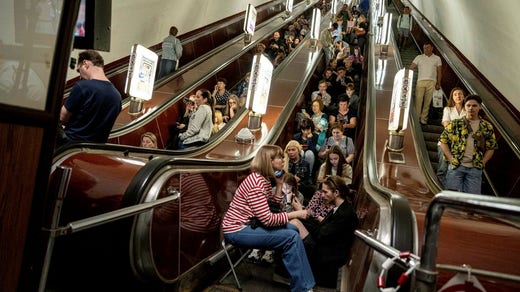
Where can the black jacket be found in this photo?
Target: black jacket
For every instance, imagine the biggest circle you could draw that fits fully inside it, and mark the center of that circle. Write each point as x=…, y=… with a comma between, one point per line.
x=329, y=243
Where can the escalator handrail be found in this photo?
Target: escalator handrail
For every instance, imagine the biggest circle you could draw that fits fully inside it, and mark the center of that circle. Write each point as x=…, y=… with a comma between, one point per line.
x=395, y=203
x=503, y=208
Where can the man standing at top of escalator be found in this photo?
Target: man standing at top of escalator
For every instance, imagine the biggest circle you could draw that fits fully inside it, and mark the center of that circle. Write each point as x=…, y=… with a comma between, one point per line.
x=428, y=79
x=90, y=111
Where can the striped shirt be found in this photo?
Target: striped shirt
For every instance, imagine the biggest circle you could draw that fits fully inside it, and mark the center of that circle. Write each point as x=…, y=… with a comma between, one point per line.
x=250, y=200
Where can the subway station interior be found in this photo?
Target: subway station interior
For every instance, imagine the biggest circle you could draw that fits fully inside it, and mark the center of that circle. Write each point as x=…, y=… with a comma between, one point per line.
x=119, y=216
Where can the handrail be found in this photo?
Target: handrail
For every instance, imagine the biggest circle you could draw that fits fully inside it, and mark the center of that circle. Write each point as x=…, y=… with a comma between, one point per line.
x=496, y=207
x=391, y=252
x=370, y=167
x=83, y=224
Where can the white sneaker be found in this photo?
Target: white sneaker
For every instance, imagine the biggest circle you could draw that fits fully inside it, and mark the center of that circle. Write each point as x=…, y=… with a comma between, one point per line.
x=268, y=257
x=254, y=255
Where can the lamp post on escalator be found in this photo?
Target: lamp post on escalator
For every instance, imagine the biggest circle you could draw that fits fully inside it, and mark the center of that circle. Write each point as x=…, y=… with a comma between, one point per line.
x=258, y=93
x=140, y=78
x=399, y=109
x=249, y=23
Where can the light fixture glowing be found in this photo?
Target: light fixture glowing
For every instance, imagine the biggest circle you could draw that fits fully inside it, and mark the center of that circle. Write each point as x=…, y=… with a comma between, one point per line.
x=315, y=27
x=141, y=72
x=258, y=93
x=140, y=78
x=399, y=108
x=249, y=23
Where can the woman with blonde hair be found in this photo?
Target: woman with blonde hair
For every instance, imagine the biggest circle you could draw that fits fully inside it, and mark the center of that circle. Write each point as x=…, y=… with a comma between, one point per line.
x=232, y=108
x=299, y=167
x=219, y=123
x=249, y=223
x=149, y=140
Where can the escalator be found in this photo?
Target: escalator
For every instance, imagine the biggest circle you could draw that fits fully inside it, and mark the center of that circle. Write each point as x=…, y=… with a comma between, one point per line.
x=413, y=178
x=132, y=255
x=167, y=105
x=497, y=180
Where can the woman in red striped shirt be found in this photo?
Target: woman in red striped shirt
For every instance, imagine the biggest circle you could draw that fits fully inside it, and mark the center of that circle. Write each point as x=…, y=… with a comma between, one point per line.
x=249, y=222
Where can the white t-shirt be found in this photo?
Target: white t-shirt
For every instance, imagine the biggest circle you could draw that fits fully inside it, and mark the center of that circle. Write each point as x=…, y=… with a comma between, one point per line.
x=427, y=66
x=450, y=113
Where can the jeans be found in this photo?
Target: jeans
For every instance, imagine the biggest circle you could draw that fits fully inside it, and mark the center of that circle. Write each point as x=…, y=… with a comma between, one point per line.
x=464, y=179
x=442, y=166
x=284, y=239
x=167, y=67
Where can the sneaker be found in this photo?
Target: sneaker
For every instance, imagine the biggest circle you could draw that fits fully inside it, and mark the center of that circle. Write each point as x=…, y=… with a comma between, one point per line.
x=254, y=255
x=281, y=279
x=268, y=257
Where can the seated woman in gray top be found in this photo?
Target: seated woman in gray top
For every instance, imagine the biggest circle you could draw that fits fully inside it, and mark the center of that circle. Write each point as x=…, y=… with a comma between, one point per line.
x=201, y=121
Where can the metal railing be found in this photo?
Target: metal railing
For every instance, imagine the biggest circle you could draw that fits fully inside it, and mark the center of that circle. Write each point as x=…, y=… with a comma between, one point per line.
x=63, y=174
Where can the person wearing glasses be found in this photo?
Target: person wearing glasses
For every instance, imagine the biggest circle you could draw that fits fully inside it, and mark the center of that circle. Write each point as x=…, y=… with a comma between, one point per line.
x=327, y=242
x=249, y=223
x=90, y=111
x=231, y=109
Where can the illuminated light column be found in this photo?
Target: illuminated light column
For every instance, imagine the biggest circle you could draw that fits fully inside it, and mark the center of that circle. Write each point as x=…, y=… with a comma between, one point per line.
x=315, y=27
x=258, y=93
x=399, y=109
x=386, y=33
x=249, y=23
x=141, y=77
x=288, y=8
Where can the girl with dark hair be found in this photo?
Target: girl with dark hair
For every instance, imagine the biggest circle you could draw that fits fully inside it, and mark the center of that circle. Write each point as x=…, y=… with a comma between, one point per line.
x=328, y=242
x=336, y=164
x=201, y=121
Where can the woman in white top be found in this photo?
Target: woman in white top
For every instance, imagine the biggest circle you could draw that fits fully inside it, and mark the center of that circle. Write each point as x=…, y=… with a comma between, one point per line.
x=452, y=111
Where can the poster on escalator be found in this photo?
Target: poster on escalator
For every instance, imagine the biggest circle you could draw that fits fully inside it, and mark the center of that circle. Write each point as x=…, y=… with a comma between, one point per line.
x=401, y=99
x=258, y=94
x=141, y=72
x=250, y=21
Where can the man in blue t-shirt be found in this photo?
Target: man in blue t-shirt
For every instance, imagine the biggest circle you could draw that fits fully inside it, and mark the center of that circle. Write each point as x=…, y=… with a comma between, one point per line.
x=90, y=111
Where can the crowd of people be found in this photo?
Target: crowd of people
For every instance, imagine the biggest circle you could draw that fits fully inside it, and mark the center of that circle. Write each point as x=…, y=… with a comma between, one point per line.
x=309, y=242
x=295, y=209
x=207, y=115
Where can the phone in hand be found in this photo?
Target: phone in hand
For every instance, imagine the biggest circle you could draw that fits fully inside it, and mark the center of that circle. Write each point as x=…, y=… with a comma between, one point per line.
x=278, y=173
